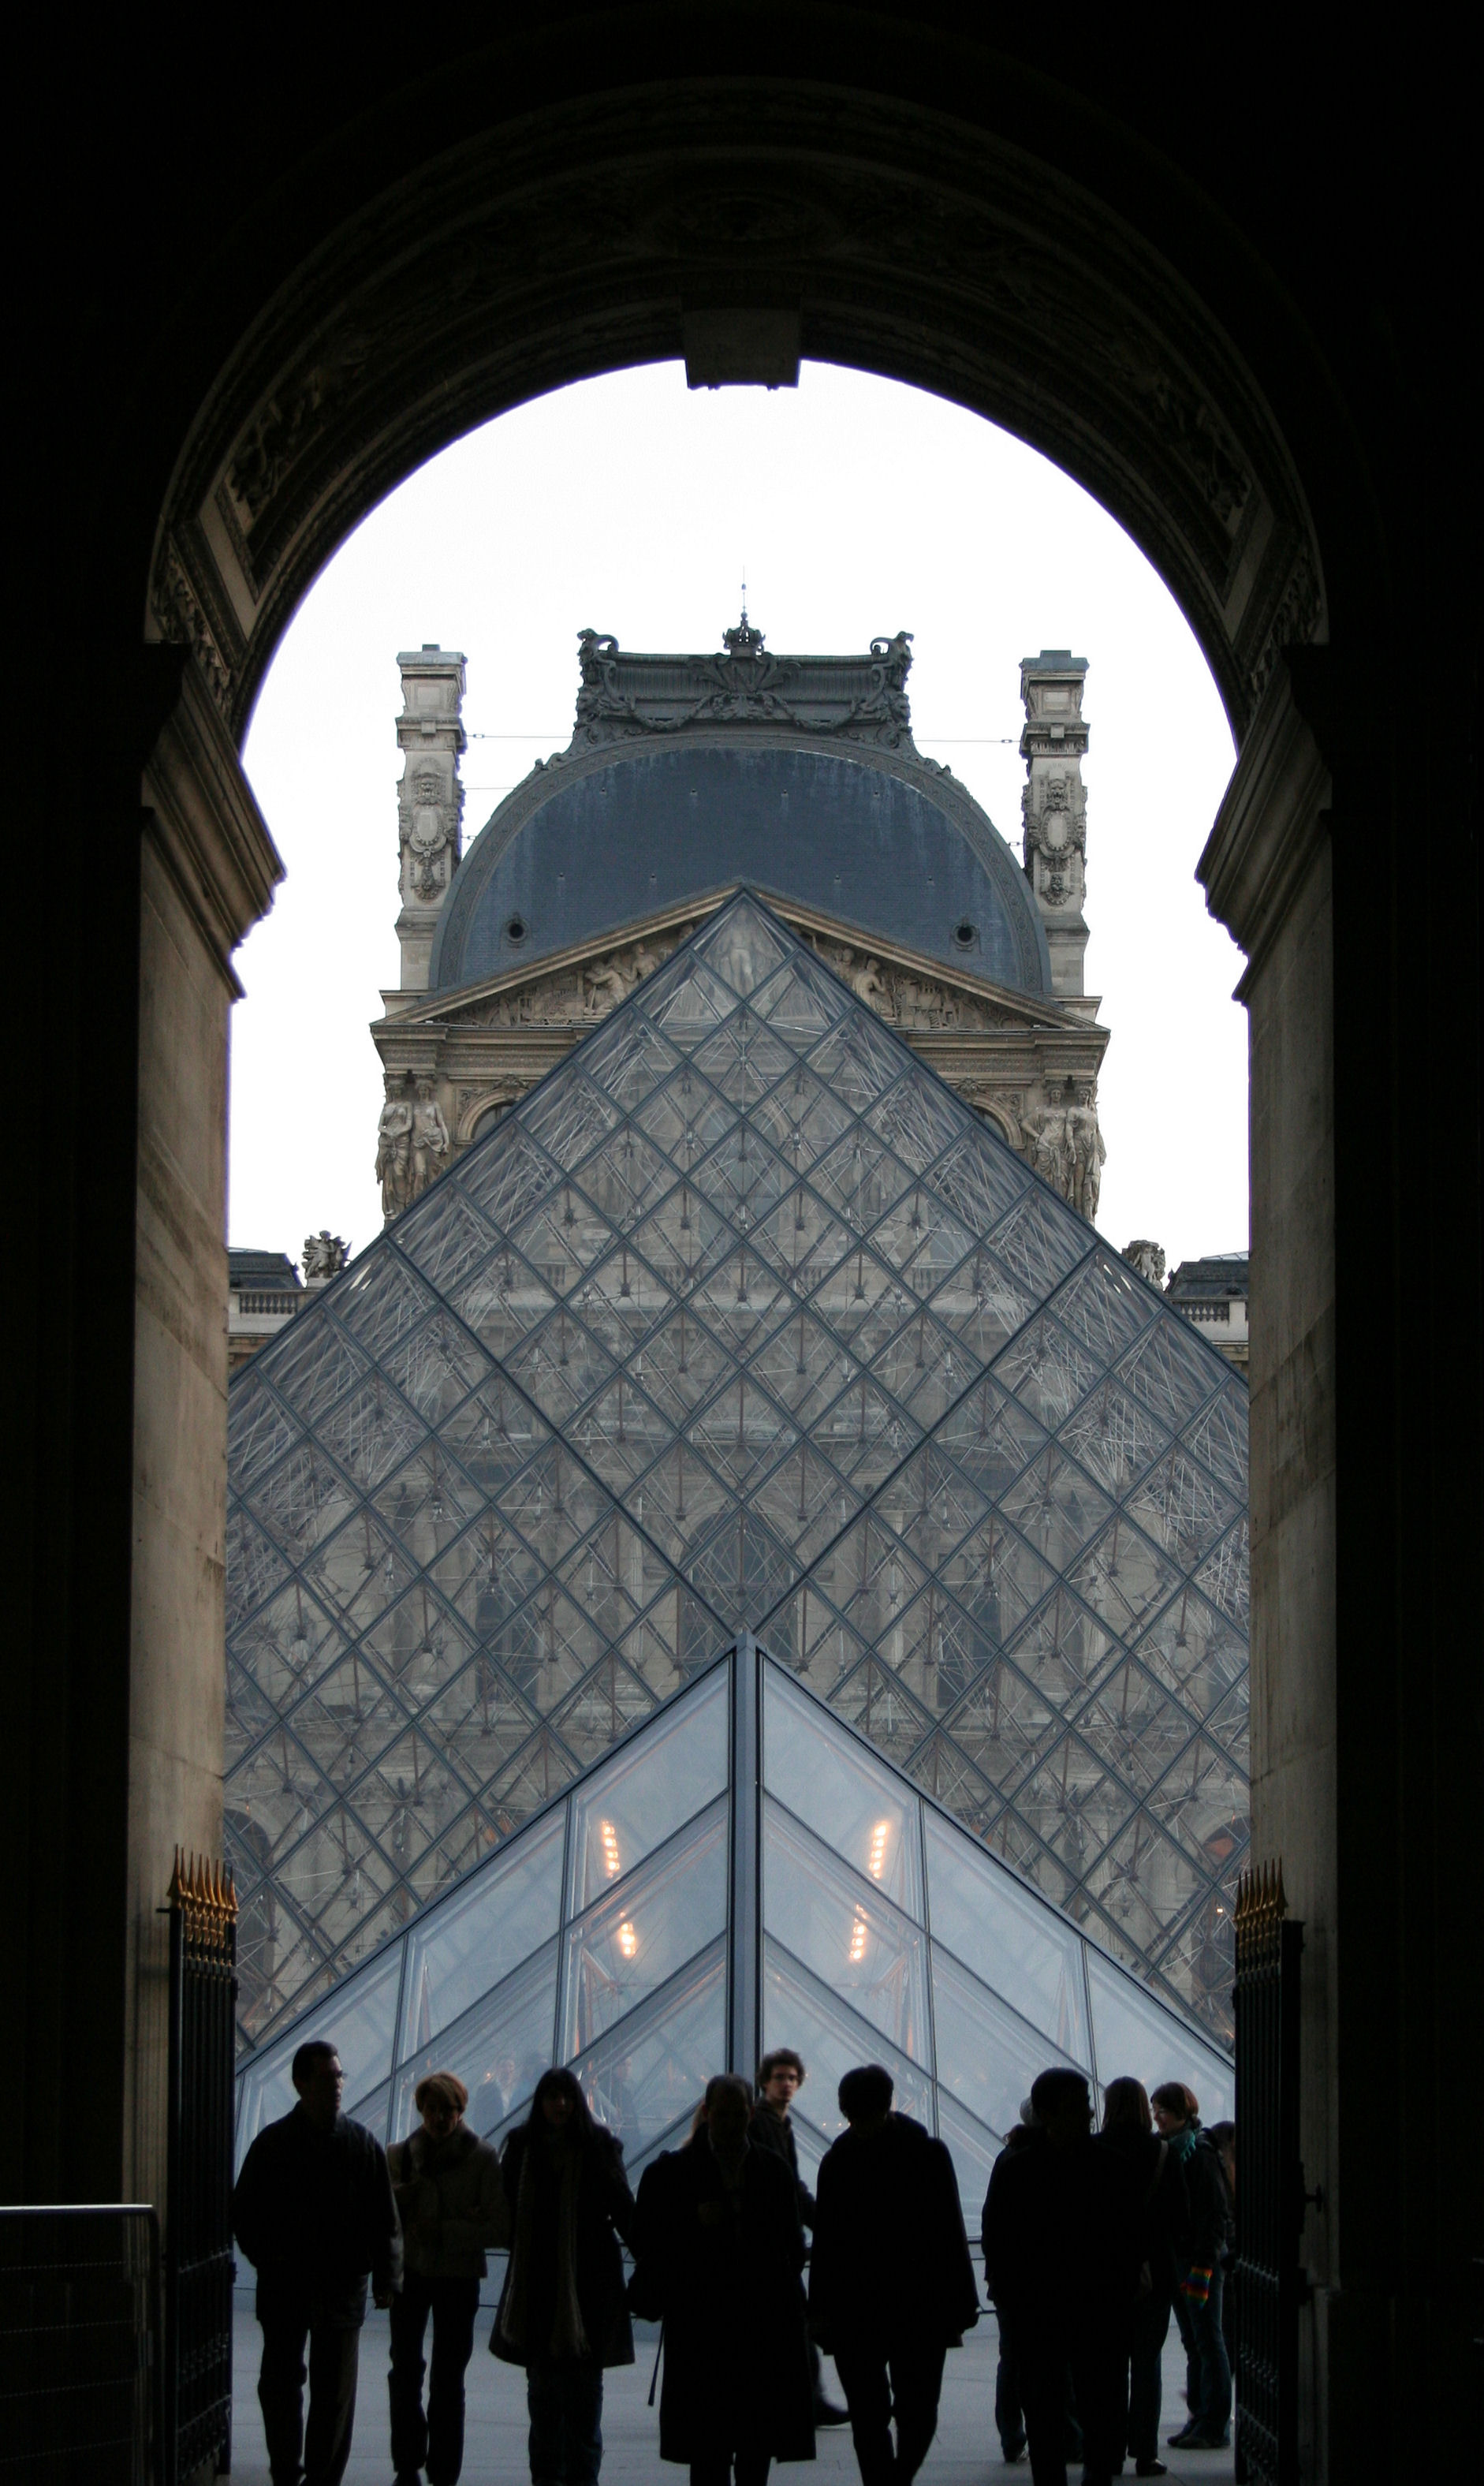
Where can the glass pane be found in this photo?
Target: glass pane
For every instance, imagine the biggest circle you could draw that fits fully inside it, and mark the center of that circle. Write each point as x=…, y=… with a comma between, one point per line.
x=863, y=1950
x=499, y=2049
x=675, y=1768
x=987, y=2056
x=1009, y=1939
x=478, y=1935
x=650, y=2073
x=356, y=2018
x=974, y=2150
x=627, y=1945
x=1137, y=2039
x=863, y=1814
x=798, y=2011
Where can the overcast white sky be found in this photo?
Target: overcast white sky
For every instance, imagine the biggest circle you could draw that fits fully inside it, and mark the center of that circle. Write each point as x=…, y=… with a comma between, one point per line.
x=632, y=505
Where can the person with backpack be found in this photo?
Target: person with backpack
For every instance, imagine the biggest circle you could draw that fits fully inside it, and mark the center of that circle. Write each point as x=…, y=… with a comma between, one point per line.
x=1197, y=2272
x=1128, y=2129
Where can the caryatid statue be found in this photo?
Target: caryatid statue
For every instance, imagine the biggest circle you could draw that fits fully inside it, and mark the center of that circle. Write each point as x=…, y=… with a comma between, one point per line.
x=394, y=1147
x=1088, y=1155
x=429, y=1138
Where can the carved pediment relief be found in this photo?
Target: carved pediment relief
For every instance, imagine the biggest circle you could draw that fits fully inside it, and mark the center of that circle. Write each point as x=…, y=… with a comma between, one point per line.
x=581, y=985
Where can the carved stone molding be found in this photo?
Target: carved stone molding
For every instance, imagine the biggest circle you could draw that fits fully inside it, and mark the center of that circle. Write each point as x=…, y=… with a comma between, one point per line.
x=580, y=238
x=1271, y=819
x=206, y=826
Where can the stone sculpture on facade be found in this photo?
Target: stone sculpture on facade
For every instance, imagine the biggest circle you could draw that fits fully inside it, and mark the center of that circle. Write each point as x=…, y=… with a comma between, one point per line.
x=1065, y=1146
x=394, y=1147
x=429, y=1138
x=1148, y=1259
x=324, y=1256
x=1053, y=806
x=430, y=799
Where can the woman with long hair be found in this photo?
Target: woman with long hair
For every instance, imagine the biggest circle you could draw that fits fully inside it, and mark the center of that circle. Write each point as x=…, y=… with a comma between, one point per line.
x=720, y=2250
x=563, y=2311
x=1197, y=2272
x=1128, y=2127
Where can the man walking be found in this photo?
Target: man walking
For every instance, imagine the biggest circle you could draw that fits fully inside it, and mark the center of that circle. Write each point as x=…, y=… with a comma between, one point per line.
x=313, y=2211
x=1061, y=2236
x=450, y=2195
x=891, y=2285
x=781, y=2076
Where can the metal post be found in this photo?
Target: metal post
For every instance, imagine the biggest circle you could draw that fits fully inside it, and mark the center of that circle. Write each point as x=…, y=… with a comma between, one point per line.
x=745, y=1942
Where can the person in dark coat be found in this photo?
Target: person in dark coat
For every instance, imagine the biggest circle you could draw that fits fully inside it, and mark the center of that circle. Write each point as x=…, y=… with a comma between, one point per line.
x=1062, y=2232
x=892, y=2286
x=313, y=2211
x=564, y=2313
x=1223, y=2137
x=1009, y=2416
x=1128, y=2127
x=780, y=2075
x=720, y=2247
x=451, y=2200
x=1197, y=2272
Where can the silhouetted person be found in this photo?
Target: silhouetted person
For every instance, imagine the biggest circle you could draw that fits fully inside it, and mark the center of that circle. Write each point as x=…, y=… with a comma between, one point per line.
x=720, y=2247
x=564, y=2313
x=1009, y=2416
x=780, y=2075
x=892, y=2286
x=1061, y=2255
x=1223, y=2137
x=313, y=2211
x=451, y=2200
x=1128, y=2129
x=1197, y=2272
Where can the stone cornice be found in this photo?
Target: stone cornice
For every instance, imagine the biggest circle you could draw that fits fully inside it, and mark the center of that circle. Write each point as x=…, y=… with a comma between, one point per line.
x=206, y=826
x=1274, y=815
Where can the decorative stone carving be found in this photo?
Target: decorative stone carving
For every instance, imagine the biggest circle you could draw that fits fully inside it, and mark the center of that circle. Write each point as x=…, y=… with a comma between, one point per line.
x=580, y=993
x=1148, y=1259
x=394, y=1147
x=326, y=1254
x=905, y=1001
x=429, y=1137
x=1064, y=1145
x=1053, y=806
x=859, y=697
x=430, y=799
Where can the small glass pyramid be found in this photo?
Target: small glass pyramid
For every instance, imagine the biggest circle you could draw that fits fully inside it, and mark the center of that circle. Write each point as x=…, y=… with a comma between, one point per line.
x=740, y=1321
x=674, y=1910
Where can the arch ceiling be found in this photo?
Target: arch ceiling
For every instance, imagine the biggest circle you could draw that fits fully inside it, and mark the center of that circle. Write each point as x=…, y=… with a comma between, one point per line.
x=740, y=222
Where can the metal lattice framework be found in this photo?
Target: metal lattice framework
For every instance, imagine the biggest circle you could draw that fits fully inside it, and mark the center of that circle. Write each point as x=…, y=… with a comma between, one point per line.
x=740, y=1320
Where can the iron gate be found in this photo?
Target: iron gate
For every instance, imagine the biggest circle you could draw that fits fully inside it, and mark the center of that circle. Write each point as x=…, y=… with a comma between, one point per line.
x=1270, y=2180
x=198, y=2267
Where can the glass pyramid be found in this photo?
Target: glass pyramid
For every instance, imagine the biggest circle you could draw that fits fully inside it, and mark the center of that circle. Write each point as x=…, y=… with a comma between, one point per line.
x=740, y=1321
x=743, y=1871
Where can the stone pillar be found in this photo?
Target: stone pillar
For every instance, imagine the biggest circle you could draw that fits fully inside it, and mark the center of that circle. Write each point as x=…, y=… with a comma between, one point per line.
x=430, y=800
x=1054, y=807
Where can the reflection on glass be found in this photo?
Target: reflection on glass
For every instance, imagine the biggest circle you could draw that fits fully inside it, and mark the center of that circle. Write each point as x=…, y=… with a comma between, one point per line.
x=475, y=1940
x=840, y=1927
x=665, y=1777
x=987, y=2056
x=855, y=1806
x=499, y=2049
x=356, y=2018
x=1009, y=1939
x=801, y=2011
x=651, y=2072
x=1136, y=2038
x=627, y=1945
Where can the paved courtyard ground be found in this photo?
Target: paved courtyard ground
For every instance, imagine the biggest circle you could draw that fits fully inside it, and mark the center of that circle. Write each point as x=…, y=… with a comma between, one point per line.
x=966, y=2452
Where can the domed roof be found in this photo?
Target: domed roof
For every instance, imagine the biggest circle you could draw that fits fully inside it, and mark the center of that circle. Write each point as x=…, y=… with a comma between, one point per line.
x=797, y=775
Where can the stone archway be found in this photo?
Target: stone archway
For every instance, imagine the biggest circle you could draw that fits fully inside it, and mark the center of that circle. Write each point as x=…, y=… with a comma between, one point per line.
x=1110, y=256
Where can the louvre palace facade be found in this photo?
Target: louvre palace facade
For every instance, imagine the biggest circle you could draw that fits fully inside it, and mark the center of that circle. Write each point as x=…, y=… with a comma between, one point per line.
x=739, y=1560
